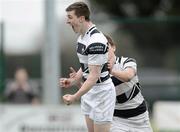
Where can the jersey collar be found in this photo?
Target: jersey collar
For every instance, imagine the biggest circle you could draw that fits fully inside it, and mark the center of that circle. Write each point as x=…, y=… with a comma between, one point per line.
x=91, y=28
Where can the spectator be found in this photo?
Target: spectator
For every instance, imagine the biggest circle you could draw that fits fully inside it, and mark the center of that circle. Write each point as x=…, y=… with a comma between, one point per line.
x=20, y=91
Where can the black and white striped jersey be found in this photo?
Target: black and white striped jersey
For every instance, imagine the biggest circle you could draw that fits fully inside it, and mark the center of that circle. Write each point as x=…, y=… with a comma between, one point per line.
x=129, y=100
x=92, y=49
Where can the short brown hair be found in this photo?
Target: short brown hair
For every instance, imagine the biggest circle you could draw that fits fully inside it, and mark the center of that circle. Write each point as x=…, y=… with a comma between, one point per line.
x=81, y=9
x=110, y=41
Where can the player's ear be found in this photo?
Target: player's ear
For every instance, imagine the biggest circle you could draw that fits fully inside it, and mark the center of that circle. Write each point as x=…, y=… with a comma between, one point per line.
x=81, y=19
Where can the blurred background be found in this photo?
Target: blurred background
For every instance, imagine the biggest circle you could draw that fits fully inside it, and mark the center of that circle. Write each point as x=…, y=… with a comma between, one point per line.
x=34, y=35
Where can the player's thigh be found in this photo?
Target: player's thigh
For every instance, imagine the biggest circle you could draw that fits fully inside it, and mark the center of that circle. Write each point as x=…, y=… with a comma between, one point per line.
x=90, y=124
x=103, y=106
x=105, y=127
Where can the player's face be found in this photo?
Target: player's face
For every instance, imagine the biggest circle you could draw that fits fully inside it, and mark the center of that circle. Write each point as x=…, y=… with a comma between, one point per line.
x=74, y=21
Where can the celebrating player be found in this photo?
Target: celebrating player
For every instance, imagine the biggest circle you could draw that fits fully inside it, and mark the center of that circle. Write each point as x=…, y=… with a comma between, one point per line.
x=97, y=92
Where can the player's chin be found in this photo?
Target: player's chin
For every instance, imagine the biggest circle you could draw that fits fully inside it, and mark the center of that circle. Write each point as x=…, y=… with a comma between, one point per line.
x=73, y=28
x=75, y=31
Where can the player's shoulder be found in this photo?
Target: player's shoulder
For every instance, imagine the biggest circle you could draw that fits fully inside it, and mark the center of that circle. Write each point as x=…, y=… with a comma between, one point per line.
x=125, y=60
x=97, y=37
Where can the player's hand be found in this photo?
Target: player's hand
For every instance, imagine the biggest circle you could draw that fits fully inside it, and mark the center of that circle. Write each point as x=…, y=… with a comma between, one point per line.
x=111, y=64
x=65, y=82
x=72, y=73
x=69, y=99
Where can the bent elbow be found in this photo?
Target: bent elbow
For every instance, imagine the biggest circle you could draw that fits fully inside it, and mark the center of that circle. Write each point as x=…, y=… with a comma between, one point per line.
x=128, y=78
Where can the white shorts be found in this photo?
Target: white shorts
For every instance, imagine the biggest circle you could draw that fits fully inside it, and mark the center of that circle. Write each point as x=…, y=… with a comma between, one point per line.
x=139, y=123
x=99, y=102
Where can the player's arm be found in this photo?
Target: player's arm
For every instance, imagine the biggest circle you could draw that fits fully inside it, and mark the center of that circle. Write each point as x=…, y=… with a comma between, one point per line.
x=75, y=80
x=124, y=75
x=78, y=76
x=73, y=74
x=94, y=74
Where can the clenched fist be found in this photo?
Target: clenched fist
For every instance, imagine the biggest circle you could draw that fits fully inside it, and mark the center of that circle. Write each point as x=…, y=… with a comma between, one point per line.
x=69, y=99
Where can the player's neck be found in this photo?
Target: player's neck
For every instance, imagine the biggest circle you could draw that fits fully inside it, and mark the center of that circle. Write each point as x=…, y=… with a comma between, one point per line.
x=86, y=27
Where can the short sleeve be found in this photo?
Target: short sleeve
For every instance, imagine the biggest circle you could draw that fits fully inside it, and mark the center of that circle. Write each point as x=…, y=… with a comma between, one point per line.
x=130, y=62
x=97, y=50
